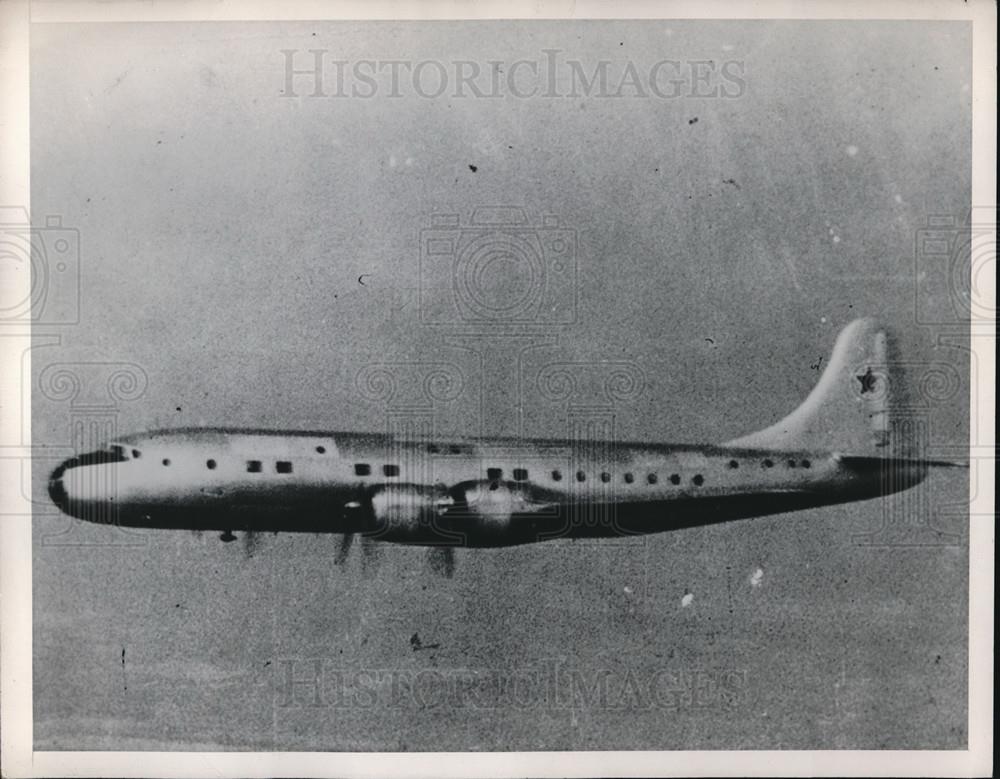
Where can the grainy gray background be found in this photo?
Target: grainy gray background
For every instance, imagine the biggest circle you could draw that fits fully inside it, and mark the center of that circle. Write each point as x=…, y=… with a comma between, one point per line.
x=721, y=245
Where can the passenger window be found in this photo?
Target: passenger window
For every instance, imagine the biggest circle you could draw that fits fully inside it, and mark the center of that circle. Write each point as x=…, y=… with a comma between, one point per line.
x=605, y=477
x=581, y=476
x=556, y=475
x=210, y=464
x=675, y=478
x=166, y=461
x=652, y=478
x=520, y=474
x=698, y=480
x=253, y=466
x=321, y=450
x=433, y=448
x=734, y=464
x=768, y=463
x=390, y=470
x=791, y=463
x=494, y=474
x=629, y=478
x=283, y=466
x=806, y=464
x=362, y=469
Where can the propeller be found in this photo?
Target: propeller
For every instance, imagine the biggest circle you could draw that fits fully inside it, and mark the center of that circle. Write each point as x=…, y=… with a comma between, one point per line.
x=250, y=541
x=343, y=548
x=442, y=560
x=370, y=552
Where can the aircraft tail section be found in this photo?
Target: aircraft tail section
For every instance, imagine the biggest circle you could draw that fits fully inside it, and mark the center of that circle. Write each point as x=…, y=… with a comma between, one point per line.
x=853, y=409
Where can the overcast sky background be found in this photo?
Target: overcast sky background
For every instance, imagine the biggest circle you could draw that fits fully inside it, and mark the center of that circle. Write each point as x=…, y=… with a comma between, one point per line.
x=721, y=244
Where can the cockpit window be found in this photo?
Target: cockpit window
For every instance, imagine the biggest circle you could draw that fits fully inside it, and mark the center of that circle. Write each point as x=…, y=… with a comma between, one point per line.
x=111, y=454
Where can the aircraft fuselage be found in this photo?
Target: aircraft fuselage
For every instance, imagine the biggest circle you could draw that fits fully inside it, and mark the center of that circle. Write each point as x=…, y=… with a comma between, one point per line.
x=461, y=492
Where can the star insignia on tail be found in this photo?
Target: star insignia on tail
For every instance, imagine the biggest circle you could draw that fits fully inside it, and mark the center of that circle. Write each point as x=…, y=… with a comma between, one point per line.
x=868, y=381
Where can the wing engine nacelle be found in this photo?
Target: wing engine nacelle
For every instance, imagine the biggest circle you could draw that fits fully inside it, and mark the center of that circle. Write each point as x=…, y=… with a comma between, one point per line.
x=485, y=509
x=408, y=512
x=469, y=513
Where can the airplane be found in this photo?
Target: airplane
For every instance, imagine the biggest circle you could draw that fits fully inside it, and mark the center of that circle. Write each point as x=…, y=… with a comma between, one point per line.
x=848, y=441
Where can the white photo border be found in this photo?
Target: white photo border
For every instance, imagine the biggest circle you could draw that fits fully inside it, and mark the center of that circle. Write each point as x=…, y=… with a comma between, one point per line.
x=16, y=748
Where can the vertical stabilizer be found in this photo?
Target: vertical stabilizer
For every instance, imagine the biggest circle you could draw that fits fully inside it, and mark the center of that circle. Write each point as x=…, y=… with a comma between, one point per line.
x=852, y=408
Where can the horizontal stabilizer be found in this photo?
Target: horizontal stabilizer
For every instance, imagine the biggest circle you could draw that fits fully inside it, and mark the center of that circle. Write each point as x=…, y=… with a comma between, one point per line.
x=848, y=459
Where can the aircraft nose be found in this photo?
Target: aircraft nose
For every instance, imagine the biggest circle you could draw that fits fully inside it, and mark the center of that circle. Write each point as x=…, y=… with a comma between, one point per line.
x=84, y=487
x=57, y=490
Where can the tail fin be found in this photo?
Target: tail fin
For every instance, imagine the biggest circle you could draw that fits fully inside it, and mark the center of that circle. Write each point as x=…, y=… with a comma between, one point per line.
x=852, y=408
